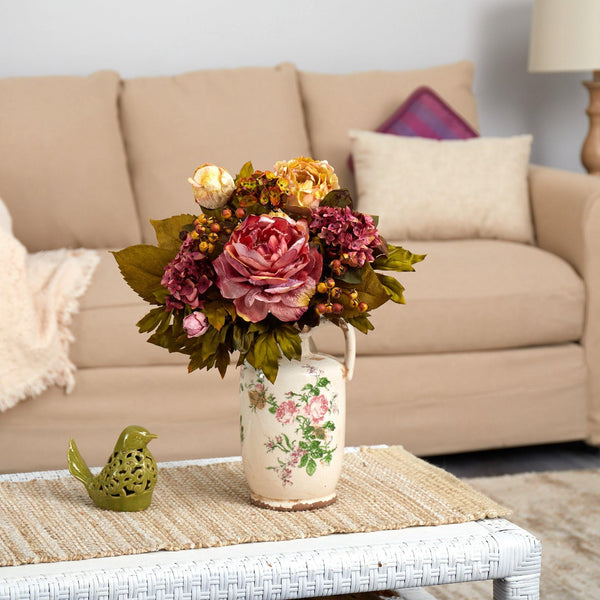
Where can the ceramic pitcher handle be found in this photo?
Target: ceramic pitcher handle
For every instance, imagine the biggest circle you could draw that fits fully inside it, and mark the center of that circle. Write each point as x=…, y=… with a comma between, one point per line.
x=350, y=352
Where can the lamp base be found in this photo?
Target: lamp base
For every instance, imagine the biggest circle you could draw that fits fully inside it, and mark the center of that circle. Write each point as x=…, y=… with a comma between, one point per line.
x=590, y=152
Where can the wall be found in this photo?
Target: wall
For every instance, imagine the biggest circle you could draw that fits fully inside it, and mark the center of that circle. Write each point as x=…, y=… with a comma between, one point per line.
x=150, y=37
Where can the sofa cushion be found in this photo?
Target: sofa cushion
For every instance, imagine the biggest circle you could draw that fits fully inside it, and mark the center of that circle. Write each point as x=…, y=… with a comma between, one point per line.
x=444, y=189
x=336, y=103
x=226, y=117
x=466, y=296
x=63, y=171
x=104, y=329
x=473, y=295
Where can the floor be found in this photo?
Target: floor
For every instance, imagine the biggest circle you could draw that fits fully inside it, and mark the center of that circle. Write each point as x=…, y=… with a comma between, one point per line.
x=551, y=457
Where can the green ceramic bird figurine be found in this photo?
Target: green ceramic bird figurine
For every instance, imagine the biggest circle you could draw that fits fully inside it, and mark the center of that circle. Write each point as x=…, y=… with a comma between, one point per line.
x=128, y=479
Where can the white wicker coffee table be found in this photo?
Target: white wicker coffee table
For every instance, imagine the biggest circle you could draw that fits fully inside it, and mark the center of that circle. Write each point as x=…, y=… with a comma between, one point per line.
x=399, y=560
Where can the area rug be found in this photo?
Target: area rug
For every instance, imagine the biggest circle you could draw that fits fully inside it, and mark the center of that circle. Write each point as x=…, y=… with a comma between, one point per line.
x=562, y=508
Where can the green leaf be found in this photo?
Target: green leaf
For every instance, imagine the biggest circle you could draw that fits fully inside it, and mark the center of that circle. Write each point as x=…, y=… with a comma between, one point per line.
x=361, y=323
x=303, y=460
x=151, y=321
x=210, y=343
x=167, y=230
x=258, y=327
x=165, y=321
x=161, y=295
x=142, y=267
x=245, y=172
x=329, y=425
x=316, y=453
x=339, y=198
x=159, y=339
x=298, y=212
x=288, y=339
x=241, y=338
x=178, y=324
x=398, y=259
x=222, y=359
x=370, y=290
x=351, y=276
x=216, y=312
x=267, y=355
x=196, y=362
x=311, y=467
x=211, y=212
x=323, y=382
x=393, y=287
x=272, y=409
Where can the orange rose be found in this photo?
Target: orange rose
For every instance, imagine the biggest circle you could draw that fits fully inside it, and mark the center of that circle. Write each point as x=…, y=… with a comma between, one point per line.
x=309, y=180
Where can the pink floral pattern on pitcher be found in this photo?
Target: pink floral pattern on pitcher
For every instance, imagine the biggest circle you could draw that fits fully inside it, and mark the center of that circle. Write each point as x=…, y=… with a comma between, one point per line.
x=308, y=411
x=316, y=409
x=286, y=412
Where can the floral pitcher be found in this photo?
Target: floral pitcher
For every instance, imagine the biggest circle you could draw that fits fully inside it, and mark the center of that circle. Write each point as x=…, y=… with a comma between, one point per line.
x=293, y=431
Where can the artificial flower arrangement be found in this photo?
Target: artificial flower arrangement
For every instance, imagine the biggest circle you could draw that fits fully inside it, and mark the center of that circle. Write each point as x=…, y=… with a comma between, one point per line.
x=271, y=253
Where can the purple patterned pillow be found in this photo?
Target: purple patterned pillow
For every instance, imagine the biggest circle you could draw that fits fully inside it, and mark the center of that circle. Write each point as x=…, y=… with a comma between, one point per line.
x=425, y=114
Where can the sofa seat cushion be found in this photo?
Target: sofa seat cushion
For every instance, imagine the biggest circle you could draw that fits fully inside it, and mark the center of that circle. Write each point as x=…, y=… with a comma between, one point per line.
x=473, y=295
x=104, y=329
x=172, y=125
x=335, y=103
x=467, y=295
x=63, y=170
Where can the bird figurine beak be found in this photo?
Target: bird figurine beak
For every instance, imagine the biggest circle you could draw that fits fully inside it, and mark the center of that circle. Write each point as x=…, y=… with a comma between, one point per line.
x=151, y=436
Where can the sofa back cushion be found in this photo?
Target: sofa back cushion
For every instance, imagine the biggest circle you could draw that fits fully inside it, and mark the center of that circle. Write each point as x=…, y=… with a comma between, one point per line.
x=335, y=104
x=226, y=117
x=63, y=171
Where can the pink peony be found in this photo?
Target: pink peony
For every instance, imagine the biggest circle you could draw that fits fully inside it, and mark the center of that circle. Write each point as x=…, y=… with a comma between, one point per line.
x=187, y=276
x=195, y=324
x=316, y=409
x=286, y=412
x=267, y=266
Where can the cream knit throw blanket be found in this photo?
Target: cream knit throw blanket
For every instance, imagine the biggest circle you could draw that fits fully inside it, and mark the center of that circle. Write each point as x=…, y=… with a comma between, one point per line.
x=38, y=296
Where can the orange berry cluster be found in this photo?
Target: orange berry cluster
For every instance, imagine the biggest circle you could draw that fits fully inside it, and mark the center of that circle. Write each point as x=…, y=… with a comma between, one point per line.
x=334, y=294
x=210, y=230
x=263, y=188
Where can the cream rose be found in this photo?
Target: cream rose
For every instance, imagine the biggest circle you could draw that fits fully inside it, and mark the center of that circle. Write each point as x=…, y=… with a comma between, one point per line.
x=212, y=186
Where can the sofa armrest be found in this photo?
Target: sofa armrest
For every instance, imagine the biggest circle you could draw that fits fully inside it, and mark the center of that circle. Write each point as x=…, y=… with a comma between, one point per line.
x=562, y=204
x=566, y=214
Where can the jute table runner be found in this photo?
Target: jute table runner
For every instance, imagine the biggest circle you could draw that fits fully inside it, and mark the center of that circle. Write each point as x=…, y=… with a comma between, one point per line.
x=48, y=520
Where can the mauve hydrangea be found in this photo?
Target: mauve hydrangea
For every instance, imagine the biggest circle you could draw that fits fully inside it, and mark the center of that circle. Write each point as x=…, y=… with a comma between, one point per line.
x=187, y=277
x=346, y=232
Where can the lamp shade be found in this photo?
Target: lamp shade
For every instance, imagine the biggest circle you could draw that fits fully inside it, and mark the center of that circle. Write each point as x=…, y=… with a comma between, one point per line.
x=565, y=35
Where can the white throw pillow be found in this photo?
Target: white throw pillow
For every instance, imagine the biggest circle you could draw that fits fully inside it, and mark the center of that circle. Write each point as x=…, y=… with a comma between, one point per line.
x=450, y=189
x=5, y=220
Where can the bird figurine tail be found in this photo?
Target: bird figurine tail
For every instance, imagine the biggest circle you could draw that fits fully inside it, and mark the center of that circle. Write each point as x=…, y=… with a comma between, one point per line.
x=77, y=465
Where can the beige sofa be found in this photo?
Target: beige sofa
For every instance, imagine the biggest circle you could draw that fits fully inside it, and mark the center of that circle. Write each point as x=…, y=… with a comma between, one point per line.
x=498, y=345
